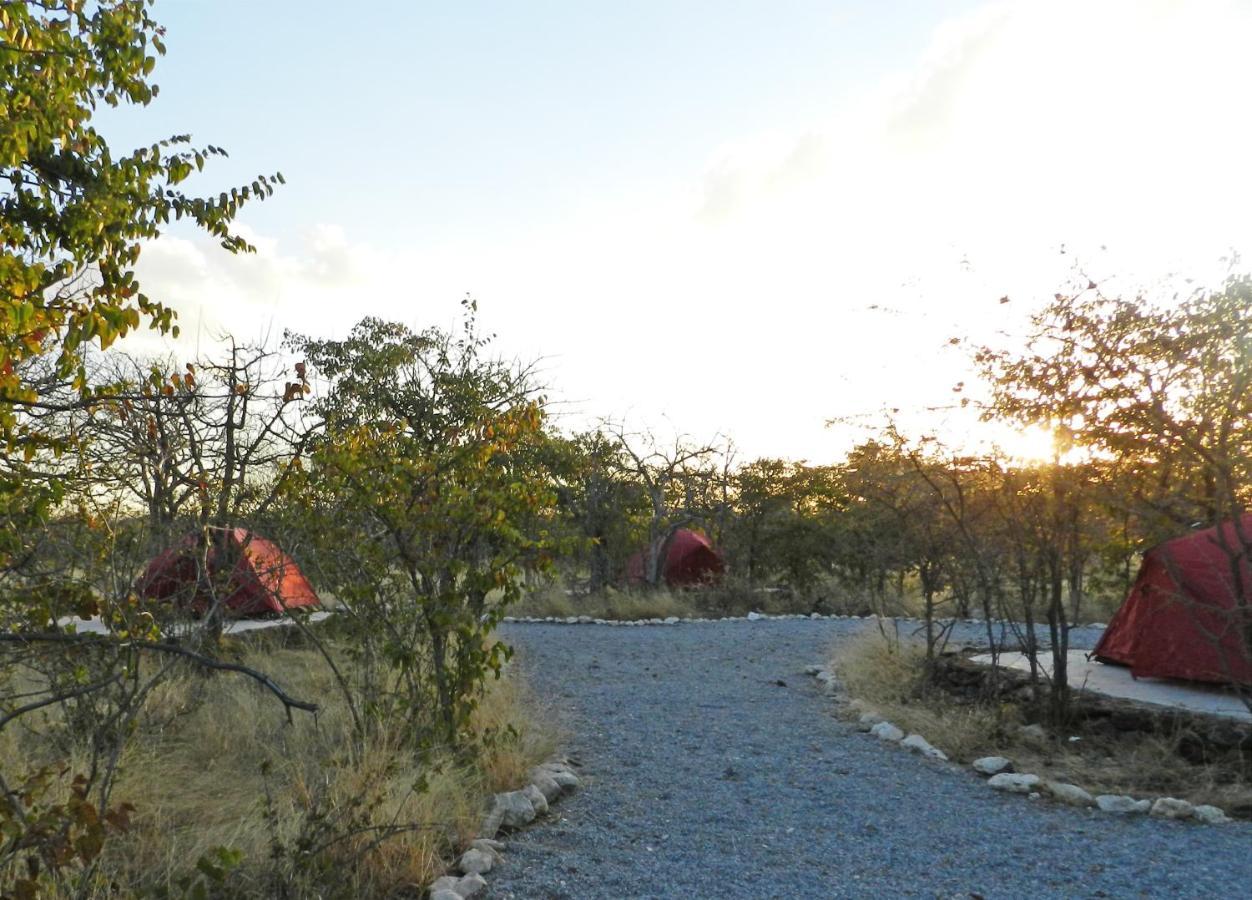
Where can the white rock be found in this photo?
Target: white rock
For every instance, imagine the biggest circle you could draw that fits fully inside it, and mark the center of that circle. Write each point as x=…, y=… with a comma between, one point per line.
x=445, y=883
x=671, y=620
x=813, y=670
x=516, y=809
x=1120, y=803
x=1014, y=783
x=1071, y=794
x=536, y=798
x=476, y=862
x=885, y=731
x=571, y=620
x=1172, y=808
x=919, y=744
x=585, y=620
x=753, y=616
x=1213, y=815
x=471, y=886
x=548, y=786
x=566, y=779
x=992, y=765
x=868, y=720
x=815, y=615
x=1033, y=795
x=488, y=845
x=445, y=894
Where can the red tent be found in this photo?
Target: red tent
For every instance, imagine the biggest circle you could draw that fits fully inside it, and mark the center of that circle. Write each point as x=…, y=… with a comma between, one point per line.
x=687, y=559
x=1183, y=617
x=262, y=578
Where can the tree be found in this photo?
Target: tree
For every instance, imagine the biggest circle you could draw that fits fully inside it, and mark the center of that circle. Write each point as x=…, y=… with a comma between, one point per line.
x=199, y=450
x=785, y=522
x=74, y=214
x=669, y=474
x=872, y=552
x=73, y=217
x=762, y=505
x=1163, y=391
x=1162, y=387
x=421, y=494
x=604, y=507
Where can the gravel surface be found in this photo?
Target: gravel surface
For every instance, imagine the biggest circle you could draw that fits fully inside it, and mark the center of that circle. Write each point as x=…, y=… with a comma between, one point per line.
x=712, y=767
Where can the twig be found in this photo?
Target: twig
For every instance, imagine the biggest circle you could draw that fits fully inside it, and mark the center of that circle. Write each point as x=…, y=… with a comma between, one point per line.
x=88, y=640
x=56, y=698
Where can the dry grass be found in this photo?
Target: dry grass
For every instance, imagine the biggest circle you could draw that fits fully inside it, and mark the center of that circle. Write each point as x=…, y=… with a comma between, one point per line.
x=218, y=765
x=887, y=678
x=608, y=604
x=728, y=599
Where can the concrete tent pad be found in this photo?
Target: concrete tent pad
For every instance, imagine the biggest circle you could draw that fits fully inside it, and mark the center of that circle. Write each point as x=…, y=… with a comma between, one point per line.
x=230, y=626
x=1116, y=681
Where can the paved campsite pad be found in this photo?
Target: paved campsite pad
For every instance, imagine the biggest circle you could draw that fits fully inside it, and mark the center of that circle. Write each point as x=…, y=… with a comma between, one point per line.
x=1117, y=681
x=706, y=777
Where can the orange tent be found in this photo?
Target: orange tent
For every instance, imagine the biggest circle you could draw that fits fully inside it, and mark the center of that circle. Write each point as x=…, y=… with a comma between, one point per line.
x=251, y=575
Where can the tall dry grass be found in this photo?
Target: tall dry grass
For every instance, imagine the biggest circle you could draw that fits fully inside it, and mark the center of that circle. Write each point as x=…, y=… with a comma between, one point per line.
x=314, y=809
x=731, y=598
x=610, y=603
x=888, y=676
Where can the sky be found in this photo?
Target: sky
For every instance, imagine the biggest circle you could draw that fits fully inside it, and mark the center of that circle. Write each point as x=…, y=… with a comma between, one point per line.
x=735, y=218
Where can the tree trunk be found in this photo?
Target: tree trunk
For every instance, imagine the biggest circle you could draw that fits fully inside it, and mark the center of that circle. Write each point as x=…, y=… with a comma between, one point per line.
x=1058, y=627
x=599, y=565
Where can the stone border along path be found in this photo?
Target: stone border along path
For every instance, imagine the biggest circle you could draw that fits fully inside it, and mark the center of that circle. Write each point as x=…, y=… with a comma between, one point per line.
x=512, y=810
x=756, y=617
x=1002, y=777
x=713, y=767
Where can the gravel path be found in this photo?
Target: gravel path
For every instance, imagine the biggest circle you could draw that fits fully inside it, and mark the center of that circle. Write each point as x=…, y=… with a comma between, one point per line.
x=713, y=768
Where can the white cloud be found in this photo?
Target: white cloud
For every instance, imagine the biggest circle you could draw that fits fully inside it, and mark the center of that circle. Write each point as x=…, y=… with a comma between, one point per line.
x=818, y=274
